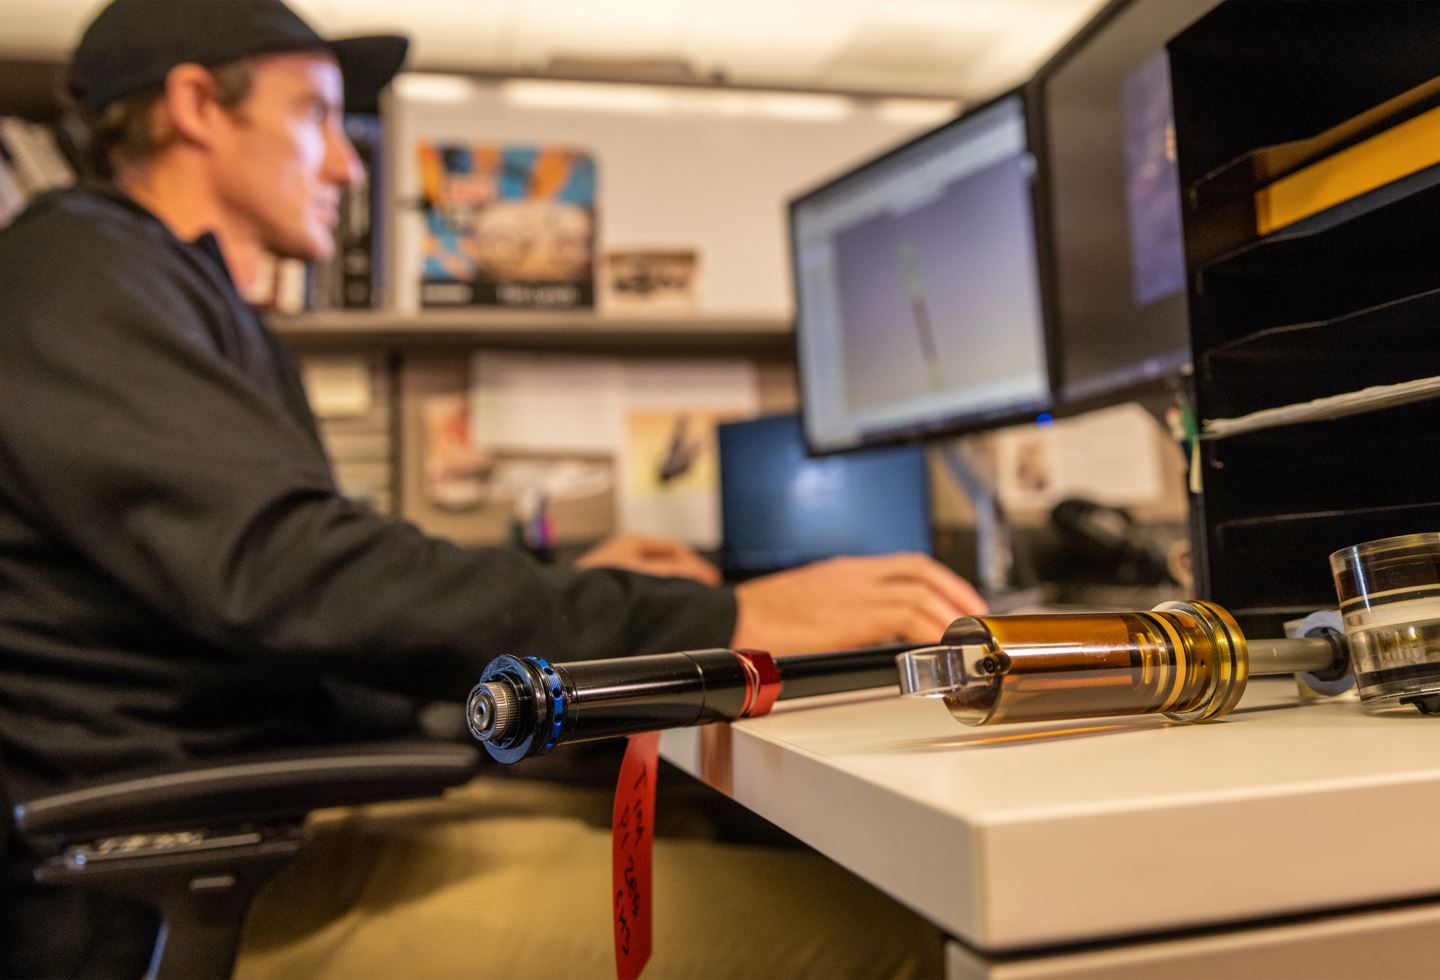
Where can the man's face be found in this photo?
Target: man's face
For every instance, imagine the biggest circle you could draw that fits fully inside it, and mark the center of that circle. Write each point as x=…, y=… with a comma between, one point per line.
x=282, y=159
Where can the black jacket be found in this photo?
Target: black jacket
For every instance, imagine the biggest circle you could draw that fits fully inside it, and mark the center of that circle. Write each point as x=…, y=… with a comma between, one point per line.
x=179, y=575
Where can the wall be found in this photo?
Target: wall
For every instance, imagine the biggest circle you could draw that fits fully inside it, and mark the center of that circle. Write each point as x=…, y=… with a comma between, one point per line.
x=680, y=167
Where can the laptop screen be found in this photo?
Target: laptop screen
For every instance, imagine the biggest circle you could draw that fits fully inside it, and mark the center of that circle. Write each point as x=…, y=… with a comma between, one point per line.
x=781, y=508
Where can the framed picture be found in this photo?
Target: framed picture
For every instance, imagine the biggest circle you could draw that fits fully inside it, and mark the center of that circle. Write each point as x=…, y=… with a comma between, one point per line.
x=510, y=226
x=644, y=280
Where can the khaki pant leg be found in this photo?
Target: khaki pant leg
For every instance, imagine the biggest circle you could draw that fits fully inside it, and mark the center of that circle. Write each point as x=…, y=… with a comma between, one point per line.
x=510, y=879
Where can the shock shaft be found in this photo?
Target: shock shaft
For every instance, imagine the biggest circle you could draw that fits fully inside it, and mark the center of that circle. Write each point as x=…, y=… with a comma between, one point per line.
x=526, y=706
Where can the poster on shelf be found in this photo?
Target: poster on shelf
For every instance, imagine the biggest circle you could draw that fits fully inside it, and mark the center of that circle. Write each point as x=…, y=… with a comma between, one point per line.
x=510, y=226
x=1111, y=456
x=642, y=281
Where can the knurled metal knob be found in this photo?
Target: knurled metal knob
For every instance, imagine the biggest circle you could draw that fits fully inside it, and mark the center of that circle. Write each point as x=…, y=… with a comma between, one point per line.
x=492, y=709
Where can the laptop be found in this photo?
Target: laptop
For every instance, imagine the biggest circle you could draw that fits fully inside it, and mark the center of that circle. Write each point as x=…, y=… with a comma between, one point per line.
x=780, y=508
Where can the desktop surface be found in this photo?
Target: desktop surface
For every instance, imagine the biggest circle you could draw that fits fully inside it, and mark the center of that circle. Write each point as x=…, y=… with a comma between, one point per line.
x=918, y=287
x=1025, y=836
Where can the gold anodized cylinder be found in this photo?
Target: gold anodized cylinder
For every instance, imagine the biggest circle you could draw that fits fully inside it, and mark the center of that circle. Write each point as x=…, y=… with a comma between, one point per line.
x=1185, y=660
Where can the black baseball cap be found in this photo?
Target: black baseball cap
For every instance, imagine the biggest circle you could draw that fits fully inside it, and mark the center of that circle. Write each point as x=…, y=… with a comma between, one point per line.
x=132, y=45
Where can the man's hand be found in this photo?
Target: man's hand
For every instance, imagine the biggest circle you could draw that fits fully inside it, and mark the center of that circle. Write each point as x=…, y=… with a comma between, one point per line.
x=652, y=556
x=850, y=602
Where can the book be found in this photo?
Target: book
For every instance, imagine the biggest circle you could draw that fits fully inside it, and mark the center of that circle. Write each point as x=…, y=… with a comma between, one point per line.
x=37, y=160
x=12, y=197
x=359, y=272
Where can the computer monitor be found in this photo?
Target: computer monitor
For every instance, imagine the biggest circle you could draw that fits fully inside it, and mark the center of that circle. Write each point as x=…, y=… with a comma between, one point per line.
x=918, y=300
x=780, y=508
x=1113, y=200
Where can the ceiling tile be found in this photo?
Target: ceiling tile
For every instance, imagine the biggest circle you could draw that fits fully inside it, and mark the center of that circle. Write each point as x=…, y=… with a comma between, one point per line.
x=960, y=47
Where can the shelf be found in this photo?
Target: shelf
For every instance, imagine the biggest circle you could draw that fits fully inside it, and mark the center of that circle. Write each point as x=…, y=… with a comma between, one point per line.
x=1390, y=344
x=1292, y=551
x=570, y=330
x=1355, y=259
x=1375, y=459
x=1251, y=171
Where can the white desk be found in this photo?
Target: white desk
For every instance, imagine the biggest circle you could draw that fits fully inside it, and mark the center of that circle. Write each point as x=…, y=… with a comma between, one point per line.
x=1016, y=838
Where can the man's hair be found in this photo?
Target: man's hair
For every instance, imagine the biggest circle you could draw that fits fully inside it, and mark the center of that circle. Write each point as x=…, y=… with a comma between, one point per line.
x=127, y=131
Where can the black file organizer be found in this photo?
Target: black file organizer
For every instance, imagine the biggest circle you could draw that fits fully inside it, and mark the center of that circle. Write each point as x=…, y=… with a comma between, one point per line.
x=1337, y=302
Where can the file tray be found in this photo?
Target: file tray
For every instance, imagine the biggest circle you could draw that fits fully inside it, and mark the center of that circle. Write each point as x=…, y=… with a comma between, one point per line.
x=1305, y=133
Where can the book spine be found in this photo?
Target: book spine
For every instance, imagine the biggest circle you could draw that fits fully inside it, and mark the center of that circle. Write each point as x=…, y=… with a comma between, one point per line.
x=359, y=242
x=12, y=197
x=36, y=157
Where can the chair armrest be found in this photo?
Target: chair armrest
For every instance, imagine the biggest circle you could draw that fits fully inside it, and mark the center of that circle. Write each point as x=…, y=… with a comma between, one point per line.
x=250, y=788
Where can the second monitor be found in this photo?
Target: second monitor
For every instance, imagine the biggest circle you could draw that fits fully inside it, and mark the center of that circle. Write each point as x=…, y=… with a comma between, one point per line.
x=1114, y=200
x=918, y=288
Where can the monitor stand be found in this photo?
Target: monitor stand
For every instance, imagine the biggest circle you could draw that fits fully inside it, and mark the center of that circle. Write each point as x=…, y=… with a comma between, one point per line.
x=1006, y=575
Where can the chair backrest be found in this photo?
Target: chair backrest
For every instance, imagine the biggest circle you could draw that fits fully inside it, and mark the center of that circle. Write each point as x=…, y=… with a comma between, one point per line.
x=264, y=786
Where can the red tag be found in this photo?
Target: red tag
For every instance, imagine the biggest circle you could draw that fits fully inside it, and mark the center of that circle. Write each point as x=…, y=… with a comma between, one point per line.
x=632, y=833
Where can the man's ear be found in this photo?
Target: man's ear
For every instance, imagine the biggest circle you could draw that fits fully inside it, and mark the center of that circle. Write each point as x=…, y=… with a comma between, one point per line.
x=189, y=103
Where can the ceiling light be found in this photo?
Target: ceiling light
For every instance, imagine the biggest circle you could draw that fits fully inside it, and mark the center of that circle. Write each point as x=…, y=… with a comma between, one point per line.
x=424, y=87
x=653, y=99
x=922, y=112
x=585, y=96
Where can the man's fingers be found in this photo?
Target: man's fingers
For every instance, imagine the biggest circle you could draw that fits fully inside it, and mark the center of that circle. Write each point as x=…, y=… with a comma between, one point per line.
x=956, y=590
x=656, y=547
x=964, y=595
x=924, y=628
x=922, y=614
x=697, y=568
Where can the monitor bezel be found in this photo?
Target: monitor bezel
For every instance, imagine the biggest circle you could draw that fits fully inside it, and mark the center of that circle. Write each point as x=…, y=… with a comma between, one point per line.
x=974, y=421
x=1133, y=386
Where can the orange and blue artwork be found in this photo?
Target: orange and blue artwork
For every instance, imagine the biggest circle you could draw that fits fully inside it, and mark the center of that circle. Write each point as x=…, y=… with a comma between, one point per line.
x=507, y=226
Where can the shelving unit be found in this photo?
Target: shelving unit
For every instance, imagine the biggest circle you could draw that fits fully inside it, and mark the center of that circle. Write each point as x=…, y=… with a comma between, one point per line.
x=1343, y=297
x=568, y=330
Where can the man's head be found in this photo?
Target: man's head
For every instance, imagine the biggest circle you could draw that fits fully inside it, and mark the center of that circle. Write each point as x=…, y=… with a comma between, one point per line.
x=245, y=96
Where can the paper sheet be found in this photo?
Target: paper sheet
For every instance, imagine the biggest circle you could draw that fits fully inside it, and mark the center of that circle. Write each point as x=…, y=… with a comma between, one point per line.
x=1110, y=456
x=338, y=384
x=527, y=403
x=655, y=419
x=1332, y=407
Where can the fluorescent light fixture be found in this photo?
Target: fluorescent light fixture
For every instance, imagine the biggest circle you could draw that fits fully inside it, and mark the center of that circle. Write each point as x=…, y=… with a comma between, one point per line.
x=802, y=108
x=660, y=99
x=425, y=87
x=590, y=96
x=775, y=105
x=921, y=112
x=946, y=15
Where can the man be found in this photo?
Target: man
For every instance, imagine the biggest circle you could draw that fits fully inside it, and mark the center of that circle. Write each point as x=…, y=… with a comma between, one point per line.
x=178, y=574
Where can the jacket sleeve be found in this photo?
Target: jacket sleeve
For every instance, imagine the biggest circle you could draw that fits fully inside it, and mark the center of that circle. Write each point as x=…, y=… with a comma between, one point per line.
x=147, y=453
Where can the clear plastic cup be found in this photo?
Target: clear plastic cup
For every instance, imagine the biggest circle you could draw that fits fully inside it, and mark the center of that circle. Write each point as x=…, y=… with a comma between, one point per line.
x=1389, y=594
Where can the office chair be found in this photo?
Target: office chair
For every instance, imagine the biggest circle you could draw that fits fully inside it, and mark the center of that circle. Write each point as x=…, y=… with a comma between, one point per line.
x=197, y=843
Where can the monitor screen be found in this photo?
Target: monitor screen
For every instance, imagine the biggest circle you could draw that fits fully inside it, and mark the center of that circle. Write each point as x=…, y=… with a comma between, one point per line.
x=918, y=305
x=1114, y=201
x=781, y=508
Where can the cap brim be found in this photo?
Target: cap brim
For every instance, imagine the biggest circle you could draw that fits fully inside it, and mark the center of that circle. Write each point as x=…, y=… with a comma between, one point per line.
x=368, y=64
